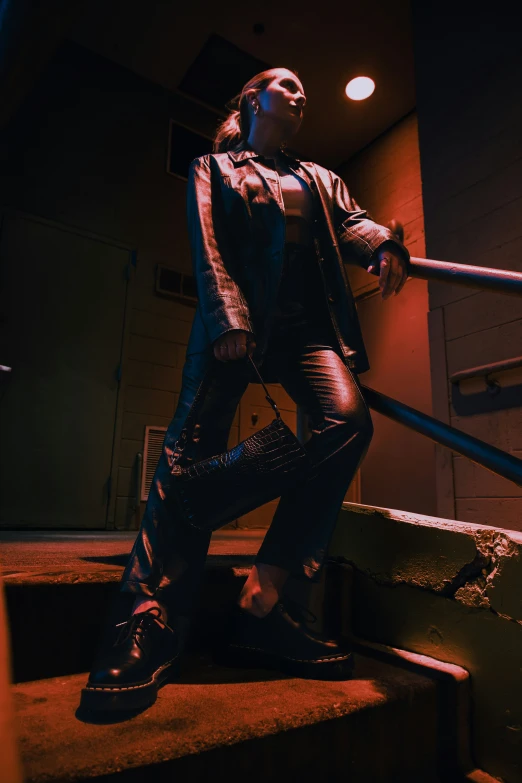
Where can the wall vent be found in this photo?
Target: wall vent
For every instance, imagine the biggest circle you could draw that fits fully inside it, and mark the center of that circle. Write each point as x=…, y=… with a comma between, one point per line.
x=175, y=285
x=154, y=437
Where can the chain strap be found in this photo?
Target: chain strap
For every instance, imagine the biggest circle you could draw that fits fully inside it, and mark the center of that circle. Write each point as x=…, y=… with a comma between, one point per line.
x=268, y=397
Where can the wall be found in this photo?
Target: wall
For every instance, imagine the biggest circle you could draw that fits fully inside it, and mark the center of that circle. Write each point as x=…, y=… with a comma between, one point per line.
x=399, y=469
x=88, y=150
x=470, y=121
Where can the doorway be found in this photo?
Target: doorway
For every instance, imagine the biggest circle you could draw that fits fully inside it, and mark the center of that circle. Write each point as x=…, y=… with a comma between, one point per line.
x=62, y=310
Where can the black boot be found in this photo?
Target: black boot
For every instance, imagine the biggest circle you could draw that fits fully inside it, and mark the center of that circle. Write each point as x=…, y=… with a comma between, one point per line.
x=127, y=674
x=281, y=641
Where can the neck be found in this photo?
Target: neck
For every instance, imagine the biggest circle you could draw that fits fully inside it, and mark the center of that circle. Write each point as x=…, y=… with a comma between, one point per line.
x=266, y=142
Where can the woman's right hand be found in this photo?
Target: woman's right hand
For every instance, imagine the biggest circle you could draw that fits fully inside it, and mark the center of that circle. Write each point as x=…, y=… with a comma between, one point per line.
x=234, y=344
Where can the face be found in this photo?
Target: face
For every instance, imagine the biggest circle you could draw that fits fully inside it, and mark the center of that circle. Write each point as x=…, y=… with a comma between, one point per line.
x=283, y=100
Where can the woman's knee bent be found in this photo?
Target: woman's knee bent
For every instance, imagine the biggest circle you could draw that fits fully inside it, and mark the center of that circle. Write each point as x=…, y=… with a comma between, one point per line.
x=354, y=423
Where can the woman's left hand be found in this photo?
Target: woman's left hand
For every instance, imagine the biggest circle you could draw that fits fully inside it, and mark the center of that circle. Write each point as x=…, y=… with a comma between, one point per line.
x=393, y=273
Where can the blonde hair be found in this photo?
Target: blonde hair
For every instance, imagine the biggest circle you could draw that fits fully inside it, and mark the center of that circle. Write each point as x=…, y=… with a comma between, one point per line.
x=234, y=130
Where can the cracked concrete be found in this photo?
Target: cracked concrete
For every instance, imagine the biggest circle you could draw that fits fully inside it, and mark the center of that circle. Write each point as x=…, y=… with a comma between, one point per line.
x=486, y=583
x=451, y=590
x=476, y=565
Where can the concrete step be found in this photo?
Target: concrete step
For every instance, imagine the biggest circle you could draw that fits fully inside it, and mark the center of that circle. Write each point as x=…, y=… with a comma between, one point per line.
x=380, y=726
x=62, y=590
x=62, y=593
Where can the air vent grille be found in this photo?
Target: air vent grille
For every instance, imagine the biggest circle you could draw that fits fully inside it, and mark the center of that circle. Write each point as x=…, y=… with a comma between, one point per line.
x=174, y=284
x=154, y=437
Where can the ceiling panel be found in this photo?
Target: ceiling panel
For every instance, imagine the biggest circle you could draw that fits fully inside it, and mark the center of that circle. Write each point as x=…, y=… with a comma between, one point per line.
x=327, y=43
x=219, y=72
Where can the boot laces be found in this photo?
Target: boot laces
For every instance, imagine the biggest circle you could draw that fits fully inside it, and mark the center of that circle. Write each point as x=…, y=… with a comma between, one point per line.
x=134, y=627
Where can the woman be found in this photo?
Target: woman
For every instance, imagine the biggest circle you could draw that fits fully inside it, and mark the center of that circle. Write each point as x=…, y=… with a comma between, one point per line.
x=269, y=236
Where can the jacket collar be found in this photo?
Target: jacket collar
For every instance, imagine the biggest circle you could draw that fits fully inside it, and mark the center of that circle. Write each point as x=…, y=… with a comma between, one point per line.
x=238, y=157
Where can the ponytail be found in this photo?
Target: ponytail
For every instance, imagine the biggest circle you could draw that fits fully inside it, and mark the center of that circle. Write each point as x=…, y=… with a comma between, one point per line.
x=229, y=135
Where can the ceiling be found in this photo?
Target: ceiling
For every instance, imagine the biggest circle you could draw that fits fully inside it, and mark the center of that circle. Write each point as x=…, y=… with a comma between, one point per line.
x=327, y=42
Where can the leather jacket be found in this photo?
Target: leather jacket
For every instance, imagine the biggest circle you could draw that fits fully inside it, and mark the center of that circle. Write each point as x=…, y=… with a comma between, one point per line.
x=236, y=222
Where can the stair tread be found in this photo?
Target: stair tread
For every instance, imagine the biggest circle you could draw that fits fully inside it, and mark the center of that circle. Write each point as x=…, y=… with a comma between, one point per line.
x=210, y=707
x=80, y=558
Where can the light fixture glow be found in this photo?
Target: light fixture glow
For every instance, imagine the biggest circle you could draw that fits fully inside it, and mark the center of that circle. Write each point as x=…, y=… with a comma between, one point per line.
x=360, y=88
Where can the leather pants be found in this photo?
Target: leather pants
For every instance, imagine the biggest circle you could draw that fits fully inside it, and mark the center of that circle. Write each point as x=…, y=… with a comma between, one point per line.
x=168, y=557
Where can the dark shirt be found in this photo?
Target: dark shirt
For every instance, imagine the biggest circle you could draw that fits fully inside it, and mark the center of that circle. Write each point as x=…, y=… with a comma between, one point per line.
x=301, y=308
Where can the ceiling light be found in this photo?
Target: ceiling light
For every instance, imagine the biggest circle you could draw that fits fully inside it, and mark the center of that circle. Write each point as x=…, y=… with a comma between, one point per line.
x=360, y=88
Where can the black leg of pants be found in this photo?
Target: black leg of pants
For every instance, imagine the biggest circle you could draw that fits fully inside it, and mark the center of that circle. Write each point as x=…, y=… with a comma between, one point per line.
x=168, y=557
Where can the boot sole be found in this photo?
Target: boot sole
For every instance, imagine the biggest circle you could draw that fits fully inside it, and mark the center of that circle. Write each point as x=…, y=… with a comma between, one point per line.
x=129, y=697
x=339, y=668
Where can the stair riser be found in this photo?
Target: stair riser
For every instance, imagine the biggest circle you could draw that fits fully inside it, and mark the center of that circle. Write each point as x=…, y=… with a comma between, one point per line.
x=56, y=628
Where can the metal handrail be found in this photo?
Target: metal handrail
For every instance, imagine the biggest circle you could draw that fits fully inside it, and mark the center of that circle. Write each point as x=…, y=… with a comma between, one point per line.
x=489, y=457
x=486, y=278
x=486, y=369
x=502, y=281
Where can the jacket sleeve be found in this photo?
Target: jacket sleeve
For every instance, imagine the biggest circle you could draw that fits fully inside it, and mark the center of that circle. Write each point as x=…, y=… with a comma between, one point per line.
x=360, y=237
x=220, y=299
